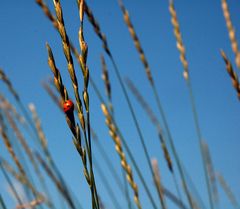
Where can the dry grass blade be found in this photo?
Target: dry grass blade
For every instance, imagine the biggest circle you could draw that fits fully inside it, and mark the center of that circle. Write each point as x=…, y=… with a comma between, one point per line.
x=228, y=191
x=118, y=147
x=158, y=181
x=231, y=32
x=136, y=41
x=231, y=73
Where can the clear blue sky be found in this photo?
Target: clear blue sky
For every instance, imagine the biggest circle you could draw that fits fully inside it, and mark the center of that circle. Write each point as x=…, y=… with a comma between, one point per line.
x=23, y=56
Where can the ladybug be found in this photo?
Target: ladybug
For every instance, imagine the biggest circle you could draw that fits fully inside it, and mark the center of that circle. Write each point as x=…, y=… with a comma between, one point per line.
x=68, y=106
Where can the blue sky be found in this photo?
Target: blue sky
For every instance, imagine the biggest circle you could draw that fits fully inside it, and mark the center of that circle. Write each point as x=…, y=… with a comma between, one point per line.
x=23, y=55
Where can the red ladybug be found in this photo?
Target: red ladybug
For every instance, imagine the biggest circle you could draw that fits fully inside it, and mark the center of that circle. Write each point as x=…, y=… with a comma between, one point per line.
x=68, y=106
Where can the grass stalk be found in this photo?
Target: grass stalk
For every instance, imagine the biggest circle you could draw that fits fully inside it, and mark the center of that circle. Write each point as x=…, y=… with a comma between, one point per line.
x=57, y=183
x=186, y=76
x=22, y=179
x=2, y=203
x=118, y=146
x=11, y=185
x=12, y=90
x=106, y=184
x=14, y=156
x=211, y=174
x=226, y=188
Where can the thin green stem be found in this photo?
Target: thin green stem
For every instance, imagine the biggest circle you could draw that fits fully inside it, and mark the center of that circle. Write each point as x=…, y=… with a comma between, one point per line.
x=199, y=135
x=106, y=184
x=2, y=203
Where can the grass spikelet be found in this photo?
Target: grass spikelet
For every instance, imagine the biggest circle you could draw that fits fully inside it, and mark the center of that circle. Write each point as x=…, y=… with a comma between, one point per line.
x=232, y=73
x=47, y=12
x=68, y=56
x=136, y=41
x=231, y=32
x=178, y=37
x=72, y=125
x=97, y=29
x=105, y=78
x=181, y=49
x=118, y=147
